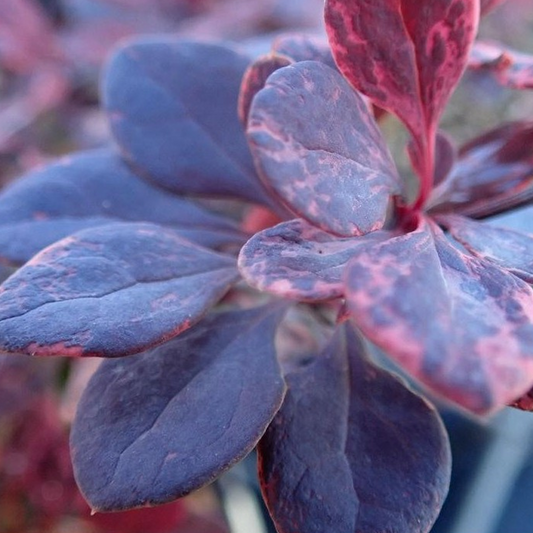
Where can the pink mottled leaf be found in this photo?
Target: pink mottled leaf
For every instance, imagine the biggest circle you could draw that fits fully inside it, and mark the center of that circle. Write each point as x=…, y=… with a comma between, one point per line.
x=318, y=147
x=493, y=173
x=110, y=291
x=254, y=80
x=509, y=249
x=297, y=260
x=352, y=449
x=153, y=427
x=405, y=55
x=91, y=189
x=459, y=324
x=508, y=67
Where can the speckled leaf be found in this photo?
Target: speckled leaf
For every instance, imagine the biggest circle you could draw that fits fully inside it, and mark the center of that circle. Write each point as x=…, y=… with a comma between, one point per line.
x=318, y=147
x=352, y=449
x=173, y=110
x=300, y=47
x=508, y=67
x=297, y=260
x=459, y=324
x=493, y=173
x=254, y=80
x=154, y=427
x=507, y=248
x=406, y=55
x=110, y=291
x=92, y=189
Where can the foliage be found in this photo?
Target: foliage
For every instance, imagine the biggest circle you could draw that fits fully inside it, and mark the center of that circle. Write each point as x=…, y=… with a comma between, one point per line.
x=275, y=172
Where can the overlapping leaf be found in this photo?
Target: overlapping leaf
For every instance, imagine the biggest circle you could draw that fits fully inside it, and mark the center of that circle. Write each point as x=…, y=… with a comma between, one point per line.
x=300, y=47
x=154, y=427
x=317, y=145
x=508, y=67
x=352, y=449
x=460, y=324
x=493, y=173
x=297, y=260
x=254, y=80
x=507, y=248
x=92, y=189
x=110, y=291
x=405, y=55
x=173, y=110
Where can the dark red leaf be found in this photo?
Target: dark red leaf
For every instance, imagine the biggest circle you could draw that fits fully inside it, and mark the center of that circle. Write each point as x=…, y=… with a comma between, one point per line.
x=92, y=189
x=317, y=145
x=297, y=260
x=301, y=47
x=154, y=427
x=509, y=68
x=352, y=449
x=525, y=402
x=507, y=248
x=459, y=324
x=110, y=291
x=173, y=110
x=405, y=55
x=493, y=173
x=254, y=80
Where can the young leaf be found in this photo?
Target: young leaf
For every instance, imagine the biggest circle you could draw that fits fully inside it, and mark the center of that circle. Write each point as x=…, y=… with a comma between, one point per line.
x=509, y=68
x=493, y=173
x=509, y=249
x=459, y=324
x=110, y=291
x=297, y=260
x=405, y=55
x=352, y=449
x=154, y=427
x=92, y=189
x=173, y=110
x=254, y=80
x=317, y=145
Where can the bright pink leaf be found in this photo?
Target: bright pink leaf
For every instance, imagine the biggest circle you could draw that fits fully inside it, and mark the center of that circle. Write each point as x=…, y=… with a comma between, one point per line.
x=406, y=55
x=317, y=145
x=297, y=260
x=459, y=324
x=507, y=248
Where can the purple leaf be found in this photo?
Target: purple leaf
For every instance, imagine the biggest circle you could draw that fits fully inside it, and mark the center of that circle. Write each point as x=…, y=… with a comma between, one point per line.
x=173, y=110
x=92, y=189
x=509, y=68
x=352, y=449
x=110, y=291
x=297, y=260
x=154, y=427
x=405, y=55
x=459, y=324
x=492, y=174
x=509, y=249
x=301, y=47
x=317, y=145
x=254, y=80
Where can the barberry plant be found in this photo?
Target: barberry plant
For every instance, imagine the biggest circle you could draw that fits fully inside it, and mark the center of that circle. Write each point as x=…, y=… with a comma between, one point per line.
x=122, y=260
